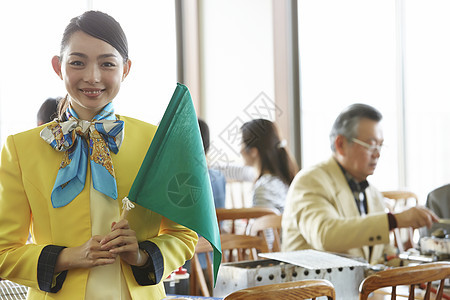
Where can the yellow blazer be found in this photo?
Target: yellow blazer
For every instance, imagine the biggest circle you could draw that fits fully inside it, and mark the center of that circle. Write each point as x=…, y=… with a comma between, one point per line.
x=28, y=169
x=321, y=214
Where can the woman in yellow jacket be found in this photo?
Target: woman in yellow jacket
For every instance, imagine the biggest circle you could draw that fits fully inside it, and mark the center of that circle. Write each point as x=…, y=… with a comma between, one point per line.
x=64, y=182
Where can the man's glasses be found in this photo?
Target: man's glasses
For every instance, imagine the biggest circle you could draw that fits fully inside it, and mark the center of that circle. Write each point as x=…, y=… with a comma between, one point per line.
x=370, y=147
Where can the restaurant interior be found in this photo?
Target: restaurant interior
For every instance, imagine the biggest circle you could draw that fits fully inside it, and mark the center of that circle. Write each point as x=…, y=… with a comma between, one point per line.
x=297, y=63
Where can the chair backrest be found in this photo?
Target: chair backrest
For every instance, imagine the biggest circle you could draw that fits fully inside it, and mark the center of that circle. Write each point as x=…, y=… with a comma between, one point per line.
x=397, y=201
x=234, y=248
x=239, y=193
x=237, y=220
x=422, y=275
x=303, y=289
x=269, y=228
x=400, y=199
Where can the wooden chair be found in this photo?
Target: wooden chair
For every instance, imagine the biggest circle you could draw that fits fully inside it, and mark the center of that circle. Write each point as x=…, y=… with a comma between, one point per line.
x=398, y=201
x=269, y=228
x=234, y=248
x=239, y=193
x=303, y=289
x=197, y=280
x=409, y=276
x=236, y=220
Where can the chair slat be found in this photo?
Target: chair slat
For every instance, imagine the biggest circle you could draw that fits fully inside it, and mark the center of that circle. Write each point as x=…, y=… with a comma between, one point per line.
x=296, y=290
x=272, y=224
x=401, y=201
x=407, y=276
x=411, y=292
x=245, y=214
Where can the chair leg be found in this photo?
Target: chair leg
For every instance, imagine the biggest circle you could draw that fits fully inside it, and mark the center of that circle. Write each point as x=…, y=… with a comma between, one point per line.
x=193, y=287
x=201, y=279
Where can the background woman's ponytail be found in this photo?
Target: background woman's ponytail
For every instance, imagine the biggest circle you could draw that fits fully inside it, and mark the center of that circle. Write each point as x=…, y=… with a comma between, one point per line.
x=288, y=166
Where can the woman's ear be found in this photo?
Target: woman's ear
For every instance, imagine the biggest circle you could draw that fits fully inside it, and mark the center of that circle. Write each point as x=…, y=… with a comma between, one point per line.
x=56, y=64
x=254, y=152
x=126, y=69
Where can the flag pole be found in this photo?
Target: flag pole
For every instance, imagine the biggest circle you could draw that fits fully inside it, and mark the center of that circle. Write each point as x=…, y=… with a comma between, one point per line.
x=127, y=205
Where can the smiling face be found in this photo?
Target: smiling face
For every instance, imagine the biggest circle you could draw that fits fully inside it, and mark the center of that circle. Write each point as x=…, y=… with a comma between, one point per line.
x=92, y=71
x=359, y=161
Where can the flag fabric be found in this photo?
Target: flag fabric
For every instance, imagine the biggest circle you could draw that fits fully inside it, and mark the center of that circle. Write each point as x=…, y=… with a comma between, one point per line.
x=173, y=179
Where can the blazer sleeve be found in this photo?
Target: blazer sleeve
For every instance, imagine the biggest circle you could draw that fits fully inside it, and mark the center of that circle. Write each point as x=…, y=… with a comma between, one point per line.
x=177, y=244
x=322, y=221
x=167, y=252
x=18, y=260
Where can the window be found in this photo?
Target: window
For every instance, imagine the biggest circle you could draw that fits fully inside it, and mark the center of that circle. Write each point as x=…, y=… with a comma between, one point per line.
x=393, y=55
x=427, y=105
x=237, y=70
x=347, y=55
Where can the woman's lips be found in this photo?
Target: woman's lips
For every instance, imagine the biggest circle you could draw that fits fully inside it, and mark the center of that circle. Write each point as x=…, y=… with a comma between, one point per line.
x=92, y=92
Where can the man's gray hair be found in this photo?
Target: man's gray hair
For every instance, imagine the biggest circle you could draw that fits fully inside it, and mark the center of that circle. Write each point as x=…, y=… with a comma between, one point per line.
x=346, y=124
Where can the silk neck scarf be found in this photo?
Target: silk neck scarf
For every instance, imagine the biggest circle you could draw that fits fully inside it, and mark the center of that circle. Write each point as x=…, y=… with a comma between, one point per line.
x=81, y=141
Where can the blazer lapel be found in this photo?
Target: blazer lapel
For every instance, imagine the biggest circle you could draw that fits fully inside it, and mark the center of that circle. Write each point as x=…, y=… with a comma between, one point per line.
x=345, y=199
x=346, y=202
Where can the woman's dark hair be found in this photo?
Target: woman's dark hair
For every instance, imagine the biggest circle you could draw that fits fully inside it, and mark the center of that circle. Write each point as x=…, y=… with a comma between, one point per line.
x=263, y=135
x=48, y=110
x=98, y=25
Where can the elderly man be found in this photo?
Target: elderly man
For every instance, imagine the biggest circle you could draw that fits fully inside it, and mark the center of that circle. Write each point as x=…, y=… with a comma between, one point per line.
x=332, y=207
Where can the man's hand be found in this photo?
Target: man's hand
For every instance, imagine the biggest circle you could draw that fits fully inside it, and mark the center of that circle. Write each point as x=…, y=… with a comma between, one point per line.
x=415, y=217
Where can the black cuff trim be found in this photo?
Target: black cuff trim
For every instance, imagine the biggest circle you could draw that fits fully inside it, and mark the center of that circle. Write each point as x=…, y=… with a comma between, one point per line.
x=46, y=269
x=151, y=273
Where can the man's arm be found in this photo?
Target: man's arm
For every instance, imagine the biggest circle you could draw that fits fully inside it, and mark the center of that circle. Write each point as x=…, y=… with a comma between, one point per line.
x=416, y=217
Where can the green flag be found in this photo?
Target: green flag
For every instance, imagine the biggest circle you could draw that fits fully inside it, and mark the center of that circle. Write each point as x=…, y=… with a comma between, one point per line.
x=173, y=179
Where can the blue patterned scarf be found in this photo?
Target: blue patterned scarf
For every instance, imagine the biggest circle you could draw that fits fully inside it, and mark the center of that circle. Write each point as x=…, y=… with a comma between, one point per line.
x=82, y=140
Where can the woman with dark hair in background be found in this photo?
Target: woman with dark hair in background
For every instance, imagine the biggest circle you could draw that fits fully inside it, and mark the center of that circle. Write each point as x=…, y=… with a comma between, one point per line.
x=263, y=149
x=218, y=181
x=48, y=111
x=69, y=196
